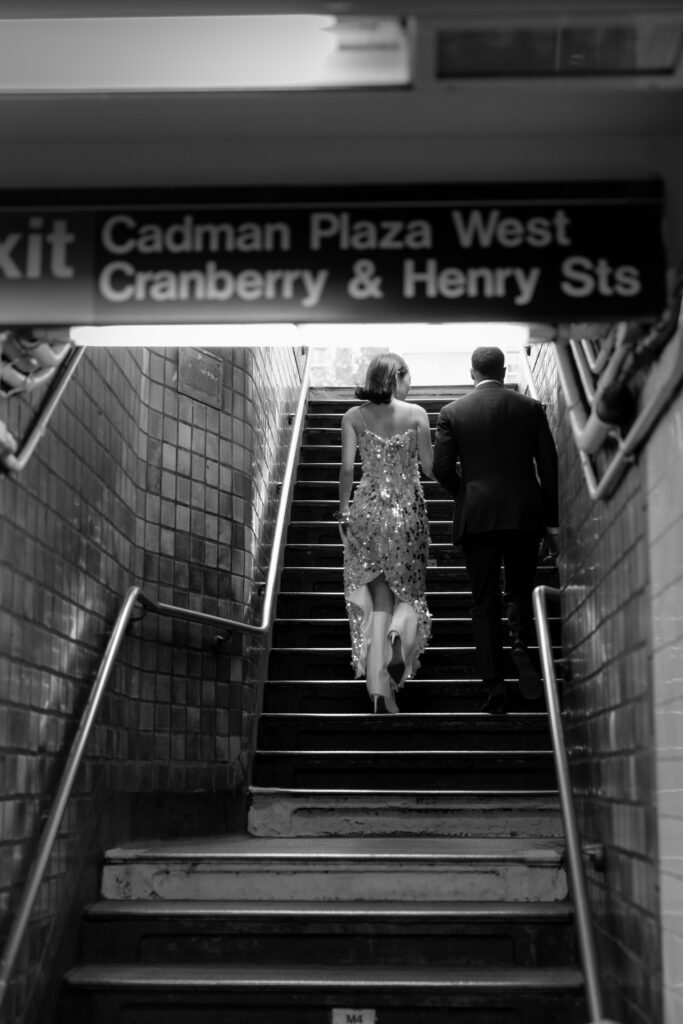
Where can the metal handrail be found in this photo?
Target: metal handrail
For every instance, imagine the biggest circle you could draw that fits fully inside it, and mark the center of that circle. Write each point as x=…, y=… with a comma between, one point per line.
x=54, y=819
x=14, y=463
x=134, y=597
x=574, y=853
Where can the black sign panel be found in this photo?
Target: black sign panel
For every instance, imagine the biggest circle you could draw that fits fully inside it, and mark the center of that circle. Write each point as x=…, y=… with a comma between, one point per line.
x=515, y=253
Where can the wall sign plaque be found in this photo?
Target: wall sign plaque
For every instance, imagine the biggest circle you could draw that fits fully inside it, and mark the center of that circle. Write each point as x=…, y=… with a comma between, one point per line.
x=200, y=376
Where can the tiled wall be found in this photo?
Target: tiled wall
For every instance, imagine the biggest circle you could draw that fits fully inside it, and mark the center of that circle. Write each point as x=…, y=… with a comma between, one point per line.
x=664, y=480
x=134, y=483
x=608, y=704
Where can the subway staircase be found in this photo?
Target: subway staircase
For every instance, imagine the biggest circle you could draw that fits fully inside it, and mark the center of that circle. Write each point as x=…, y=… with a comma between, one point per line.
x=400, y=869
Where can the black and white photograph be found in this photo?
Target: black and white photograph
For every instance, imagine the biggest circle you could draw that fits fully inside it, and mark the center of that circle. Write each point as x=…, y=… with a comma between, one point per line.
x=341, y=512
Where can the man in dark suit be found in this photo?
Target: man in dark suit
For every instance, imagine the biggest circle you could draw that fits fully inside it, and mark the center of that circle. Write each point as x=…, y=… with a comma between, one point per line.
x=505, y=495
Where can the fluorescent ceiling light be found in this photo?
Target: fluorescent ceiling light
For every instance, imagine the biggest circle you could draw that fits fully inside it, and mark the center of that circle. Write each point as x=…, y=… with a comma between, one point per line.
x=158, y=54
x=455, y=337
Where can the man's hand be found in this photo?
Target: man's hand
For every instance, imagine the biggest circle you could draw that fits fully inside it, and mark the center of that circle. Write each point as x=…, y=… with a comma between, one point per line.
x=343, y=524
x=549, y=549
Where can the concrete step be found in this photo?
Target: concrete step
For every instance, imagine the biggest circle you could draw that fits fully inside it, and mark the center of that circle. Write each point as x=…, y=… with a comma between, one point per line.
x=441, y=553
x=338, y=400
x=306, y=510
x=423, y=731
x=314, y=471
x=344, y=933
x=334, y=632
x=312, y=994
x=402, y=869
x=330, y=554
x=329, y=435
x=405, y=769
x=331, y=605
x=345, y=696
x=439, y=577
x=450, y=662
x=310, y=454
x=330, y=420
x=279, y=812
x=329, y=577
x=327, y=531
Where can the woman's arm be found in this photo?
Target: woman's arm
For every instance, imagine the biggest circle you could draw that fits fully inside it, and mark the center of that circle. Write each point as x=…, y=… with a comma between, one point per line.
x=424, y=443
x=349, y=441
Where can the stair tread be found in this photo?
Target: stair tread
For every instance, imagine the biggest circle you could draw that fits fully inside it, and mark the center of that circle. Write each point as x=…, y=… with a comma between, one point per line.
x=315, y=976
x=231, y=847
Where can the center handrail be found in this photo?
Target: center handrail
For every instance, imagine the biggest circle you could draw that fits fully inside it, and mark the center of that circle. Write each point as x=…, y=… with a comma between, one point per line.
x=134, y=597
x=584, y=924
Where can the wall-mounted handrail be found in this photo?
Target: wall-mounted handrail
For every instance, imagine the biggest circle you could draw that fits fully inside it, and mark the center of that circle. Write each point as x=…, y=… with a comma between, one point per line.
x=574, y=853
x=597, y=364
x=528, y=373
x=587, y=430
x=587, y=383
x=14, y=463
x=134, y=597
x=61, y=798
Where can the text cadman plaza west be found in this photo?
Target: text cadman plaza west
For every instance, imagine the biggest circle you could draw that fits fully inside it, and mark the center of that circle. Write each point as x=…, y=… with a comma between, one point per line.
x=576, y=251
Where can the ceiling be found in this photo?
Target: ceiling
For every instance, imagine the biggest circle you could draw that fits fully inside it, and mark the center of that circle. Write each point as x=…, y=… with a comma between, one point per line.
x=424, y=8
x=466, y=126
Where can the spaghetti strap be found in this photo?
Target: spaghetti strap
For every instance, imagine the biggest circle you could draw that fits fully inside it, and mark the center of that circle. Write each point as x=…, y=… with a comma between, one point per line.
x=360, y=410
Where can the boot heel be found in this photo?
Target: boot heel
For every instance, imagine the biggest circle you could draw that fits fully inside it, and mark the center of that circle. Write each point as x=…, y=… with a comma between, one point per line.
x=396, y=666
x=379, y=704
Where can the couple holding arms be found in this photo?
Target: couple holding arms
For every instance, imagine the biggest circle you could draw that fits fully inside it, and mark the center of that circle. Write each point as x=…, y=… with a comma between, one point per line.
x=495, y=455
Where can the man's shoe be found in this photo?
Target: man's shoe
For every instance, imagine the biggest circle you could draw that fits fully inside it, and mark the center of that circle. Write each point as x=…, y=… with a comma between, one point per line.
x=497, y=701
x=530, y=684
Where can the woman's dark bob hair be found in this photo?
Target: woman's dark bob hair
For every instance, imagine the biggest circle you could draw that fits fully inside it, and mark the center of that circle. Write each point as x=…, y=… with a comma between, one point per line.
x=379, y=379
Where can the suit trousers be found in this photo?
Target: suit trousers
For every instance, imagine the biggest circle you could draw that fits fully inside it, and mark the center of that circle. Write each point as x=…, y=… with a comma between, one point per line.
x=516, y=551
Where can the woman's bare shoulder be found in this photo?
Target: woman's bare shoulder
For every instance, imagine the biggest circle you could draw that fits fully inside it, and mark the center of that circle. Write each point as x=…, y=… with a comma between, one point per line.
x=418, y=411
x=352, y=416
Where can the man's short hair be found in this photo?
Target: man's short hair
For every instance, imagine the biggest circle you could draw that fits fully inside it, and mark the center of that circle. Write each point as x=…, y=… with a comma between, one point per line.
x=489, y=361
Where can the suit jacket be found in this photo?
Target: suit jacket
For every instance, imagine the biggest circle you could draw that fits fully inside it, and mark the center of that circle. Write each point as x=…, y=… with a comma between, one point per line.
x=508, y=462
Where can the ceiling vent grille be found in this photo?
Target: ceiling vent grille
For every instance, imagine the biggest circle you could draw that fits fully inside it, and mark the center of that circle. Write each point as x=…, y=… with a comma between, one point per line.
x=629, y=48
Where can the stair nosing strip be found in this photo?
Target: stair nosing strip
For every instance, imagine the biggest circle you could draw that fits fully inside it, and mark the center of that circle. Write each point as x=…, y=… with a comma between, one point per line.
x=474, y=910
x=412, y=754
x=482, y=716
x=501, y=794
x=312, y=976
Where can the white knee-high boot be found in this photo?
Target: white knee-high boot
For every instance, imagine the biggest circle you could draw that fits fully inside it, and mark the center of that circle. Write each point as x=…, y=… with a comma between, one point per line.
x=377, y=677
x=402, y=640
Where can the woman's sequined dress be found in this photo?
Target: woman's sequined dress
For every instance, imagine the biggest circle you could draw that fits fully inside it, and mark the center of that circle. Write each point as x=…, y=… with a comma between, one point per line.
x=388, y=533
